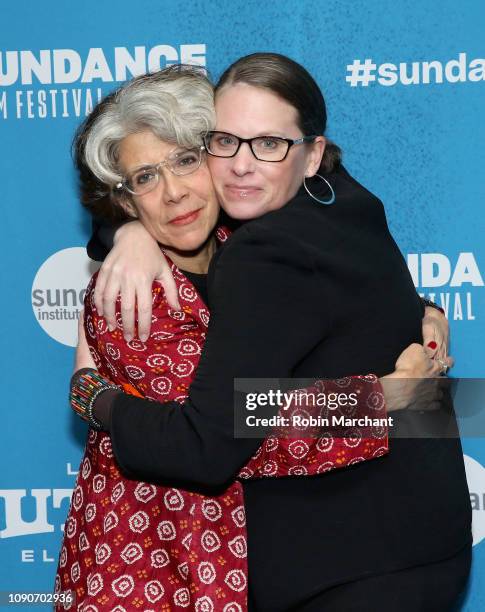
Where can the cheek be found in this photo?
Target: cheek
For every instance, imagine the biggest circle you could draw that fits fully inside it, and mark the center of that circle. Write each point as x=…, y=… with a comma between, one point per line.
x=147, y=207
x=218, y=168
x=201, y=180
x=204, y=190
x=212, y=213
x=282, y=183
x=290, y=179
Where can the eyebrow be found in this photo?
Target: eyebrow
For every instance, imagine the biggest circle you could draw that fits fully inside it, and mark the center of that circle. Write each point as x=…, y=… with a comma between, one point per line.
x=268, y=133
x=152, y=164
x=141, y=167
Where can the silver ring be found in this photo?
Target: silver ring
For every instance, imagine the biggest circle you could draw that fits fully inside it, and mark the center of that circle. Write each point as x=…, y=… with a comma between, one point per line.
x=444, y=367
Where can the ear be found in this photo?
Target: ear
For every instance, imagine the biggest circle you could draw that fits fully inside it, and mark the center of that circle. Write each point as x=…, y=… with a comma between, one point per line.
x=317, y=148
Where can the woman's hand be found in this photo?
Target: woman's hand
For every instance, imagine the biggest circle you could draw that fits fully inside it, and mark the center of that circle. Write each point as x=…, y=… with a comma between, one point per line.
x=415, y=362
x=436, y=333
x=83, y=357
x=130, y=269
x=415, y=381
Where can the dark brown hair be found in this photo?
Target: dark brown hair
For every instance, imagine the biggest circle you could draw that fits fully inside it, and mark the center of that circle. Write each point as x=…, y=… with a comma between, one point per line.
x=291, y=82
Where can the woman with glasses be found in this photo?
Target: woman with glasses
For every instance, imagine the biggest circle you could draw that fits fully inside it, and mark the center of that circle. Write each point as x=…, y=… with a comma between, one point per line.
x=311, y=285
x=129, y=543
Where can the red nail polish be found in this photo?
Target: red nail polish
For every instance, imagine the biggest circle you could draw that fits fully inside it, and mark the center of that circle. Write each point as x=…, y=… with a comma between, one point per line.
x=432, y=345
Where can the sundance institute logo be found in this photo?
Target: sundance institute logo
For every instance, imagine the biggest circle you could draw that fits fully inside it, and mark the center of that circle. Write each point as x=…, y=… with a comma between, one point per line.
x=58, y=293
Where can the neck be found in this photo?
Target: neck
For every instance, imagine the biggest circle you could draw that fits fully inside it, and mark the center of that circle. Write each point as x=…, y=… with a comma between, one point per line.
x=194, y=261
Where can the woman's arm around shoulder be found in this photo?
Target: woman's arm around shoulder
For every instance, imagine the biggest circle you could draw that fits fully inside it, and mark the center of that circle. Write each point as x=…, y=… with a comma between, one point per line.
x=264, y=320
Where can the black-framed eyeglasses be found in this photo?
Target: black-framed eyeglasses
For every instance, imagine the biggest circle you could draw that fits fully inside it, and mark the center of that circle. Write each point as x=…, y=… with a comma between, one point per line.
x=179, y=161
x=264, y=148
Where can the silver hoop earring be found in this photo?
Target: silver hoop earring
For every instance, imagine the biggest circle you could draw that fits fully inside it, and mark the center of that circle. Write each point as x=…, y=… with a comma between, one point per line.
x=332, y=197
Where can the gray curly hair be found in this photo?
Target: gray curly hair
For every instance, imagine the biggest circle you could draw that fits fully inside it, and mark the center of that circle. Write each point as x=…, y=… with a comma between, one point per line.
x=176, y=104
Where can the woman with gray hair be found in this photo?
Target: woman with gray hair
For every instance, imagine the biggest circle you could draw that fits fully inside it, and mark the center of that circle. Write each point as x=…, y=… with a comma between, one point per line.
x=129, y=543
x=302, y=290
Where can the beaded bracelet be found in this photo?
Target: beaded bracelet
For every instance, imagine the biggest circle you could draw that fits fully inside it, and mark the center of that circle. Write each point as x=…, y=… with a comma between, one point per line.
x=85, y=388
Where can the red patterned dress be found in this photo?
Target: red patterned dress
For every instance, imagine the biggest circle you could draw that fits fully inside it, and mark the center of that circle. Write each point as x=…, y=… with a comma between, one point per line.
x=131, y=545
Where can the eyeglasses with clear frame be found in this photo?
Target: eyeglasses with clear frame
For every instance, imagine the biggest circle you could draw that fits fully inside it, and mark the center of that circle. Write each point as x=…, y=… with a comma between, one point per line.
x=264, y=148
x=179, y=162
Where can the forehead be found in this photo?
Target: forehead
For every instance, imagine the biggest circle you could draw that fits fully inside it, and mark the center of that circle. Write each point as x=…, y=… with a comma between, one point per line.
x=143, y=148
x=249, y=111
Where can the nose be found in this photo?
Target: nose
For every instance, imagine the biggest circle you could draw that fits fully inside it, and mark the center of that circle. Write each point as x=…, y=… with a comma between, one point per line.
x=243, y=161
x=174, y=187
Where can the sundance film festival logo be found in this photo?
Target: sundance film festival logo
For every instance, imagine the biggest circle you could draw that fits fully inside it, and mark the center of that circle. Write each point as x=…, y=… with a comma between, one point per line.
x=32, y=512
x=41, y=501
x=14, y=499
x=365, y=72
x=64, y=67
x=447, y=281
x=58, y=293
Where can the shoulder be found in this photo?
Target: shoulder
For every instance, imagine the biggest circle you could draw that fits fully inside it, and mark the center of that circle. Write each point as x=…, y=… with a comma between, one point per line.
x=263, y=243
x=305, y=230
x=261, y=262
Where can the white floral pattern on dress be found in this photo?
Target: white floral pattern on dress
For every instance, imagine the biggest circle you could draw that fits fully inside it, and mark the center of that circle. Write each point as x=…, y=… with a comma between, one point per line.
x=149, y=547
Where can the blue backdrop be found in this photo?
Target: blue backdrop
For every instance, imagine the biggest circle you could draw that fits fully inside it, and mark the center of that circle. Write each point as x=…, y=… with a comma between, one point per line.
x=405, y=87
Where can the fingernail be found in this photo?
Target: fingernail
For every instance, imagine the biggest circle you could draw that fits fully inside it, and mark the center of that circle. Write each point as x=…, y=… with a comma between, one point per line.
x=128, y=338
x=432, y=345
x=111, y=327
x=143, y=337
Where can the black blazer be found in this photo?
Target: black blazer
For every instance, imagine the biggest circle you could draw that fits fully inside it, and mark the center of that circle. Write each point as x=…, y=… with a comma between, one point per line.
x=307, y=291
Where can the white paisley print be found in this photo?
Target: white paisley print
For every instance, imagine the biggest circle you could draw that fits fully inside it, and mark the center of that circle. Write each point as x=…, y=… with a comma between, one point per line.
x=131, y=545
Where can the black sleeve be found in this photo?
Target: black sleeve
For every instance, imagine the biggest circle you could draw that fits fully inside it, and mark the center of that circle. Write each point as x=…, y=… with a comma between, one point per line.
x=265, y=317
x=102, y=238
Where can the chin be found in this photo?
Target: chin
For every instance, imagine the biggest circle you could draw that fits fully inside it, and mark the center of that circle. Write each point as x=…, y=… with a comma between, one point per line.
x=191, y=243
x=244, y=211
